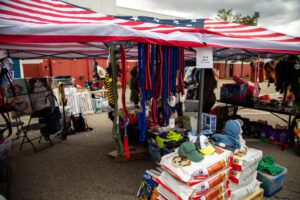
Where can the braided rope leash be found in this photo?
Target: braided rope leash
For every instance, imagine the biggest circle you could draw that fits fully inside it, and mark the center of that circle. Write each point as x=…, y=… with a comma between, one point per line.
x=126, y=121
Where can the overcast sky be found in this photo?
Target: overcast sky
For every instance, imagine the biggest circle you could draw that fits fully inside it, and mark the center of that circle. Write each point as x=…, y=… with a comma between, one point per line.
x=277, y=15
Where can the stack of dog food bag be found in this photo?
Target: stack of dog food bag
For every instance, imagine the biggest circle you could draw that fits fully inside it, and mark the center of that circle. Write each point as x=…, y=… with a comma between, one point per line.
x=243, y=176
x=195, y=171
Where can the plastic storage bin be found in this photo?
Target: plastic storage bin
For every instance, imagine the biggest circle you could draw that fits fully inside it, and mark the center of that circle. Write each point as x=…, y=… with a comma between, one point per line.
x=271, y=184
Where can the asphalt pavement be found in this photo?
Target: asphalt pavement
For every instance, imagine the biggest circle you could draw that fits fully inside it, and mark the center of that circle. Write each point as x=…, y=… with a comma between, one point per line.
x=79, y=168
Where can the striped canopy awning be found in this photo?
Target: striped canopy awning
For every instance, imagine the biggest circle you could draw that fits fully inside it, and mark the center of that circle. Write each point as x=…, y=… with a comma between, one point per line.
x=53, y=28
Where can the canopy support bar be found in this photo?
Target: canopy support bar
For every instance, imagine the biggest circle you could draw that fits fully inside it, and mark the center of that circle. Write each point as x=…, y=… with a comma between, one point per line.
x=200, y=95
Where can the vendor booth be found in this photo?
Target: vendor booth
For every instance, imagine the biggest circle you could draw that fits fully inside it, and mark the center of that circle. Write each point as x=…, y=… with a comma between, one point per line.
x=195, y=162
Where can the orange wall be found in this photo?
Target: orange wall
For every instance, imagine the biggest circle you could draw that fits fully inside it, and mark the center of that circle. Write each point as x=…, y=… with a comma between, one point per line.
x=80, y=69
x=236, y=69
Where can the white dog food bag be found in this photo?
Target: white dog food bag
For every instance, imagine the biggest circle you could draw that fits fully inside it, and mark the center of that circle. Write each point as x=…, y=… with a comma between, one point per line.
x=224, y=196
x=166, y=194
x=194, y=172
x=238, y=176
x=211, y=182
x=212, y=193
x=252, y=157
x=244, y=182
x=182, y=191
x=245, y=191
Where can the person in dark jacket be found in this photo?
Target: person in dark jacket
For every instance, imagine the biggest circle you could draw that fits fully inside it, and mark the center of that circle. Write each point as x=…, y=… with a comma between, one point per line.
x=209, y=97
x=134, y=86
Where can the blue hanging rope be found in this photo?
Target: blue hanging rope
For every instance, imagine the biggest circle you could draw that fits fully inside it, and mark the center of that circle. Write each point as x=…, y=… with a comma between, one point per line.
x=174, y=58
x=142, y=116
x=177, y=57
x=167, y=106
x=153, y=53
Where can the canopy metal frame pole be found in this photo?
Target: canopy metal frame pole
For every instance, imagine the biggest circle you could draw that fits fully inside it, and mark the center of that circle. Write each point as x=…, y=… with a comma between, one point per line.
x=200, y=95
x=115, y=133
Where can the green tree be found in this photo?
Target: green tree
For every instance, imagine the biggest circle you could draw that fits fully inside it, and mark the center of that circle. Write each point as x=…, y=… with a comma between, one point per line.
x=236, y=17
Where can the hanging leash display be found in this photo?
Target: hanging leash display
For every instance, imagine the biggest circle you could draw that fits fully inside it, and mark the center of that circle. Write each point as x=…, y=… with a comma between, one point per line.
x=126, y=115
x=166, y=88
x=180, y=85
x=123, y=63
x=158, y=83
x=142, y=115
x=152, y=64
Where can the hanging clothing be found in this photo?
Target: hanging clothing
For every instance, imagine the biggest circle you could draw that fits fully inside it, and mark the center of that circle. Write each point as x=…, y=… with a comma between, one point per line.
x=261, y=77
x=270, y=71
x=134, y=86
x=209, y=97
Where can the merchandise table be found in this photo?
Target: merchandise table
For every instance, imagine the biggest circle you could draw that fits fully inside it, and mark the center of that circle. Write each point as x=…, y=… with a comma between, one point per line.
x=273, y=111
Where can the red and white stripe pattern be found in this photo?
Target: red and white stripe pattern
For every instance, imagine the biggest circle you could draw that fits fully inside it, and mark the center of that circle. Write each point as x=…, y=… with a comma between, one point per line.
x=248, y=32
x=37, y=28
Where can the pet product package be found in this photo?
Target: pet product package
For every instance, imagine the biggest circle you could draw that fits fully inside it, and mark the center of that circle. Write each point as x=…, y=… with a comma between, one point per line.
x=212, y=193
x=252, y=157
x=148, y=188
x=239, y=176
x=244, y=182
x=224, y=196
x=166, y=194
x=182, y=191
x=188, y=171
x=245, y=191
x=210, y=121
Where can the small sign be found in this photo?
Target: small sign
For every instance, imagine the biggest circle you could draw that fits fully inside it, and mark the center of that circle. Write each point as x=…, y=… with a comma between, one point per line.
x=204, y=58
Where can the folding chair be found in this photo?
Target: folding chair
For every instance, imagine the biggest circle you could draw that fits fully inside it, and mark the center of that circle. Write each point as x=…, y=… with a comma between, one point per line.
x=18, y=124
x=33, y=127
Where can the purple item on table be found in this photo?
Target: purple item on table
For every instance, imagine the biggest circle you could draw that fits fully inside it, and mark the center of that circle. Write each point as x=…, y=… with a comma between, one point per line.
x=285, y=136
x=265, y=130
x=273, y=135
x=164, y=135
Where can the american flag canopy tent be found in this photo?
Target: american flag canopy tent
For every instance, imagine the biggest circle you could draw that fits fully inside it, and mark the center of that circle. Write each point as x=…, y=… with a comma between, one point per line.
x=53, y=28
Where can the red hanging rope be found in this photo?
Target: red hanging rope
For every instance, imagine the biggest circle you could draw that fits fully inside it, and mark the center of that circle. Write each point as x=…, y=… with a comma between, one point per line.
x=169, y=63
x=123, y=63
x=148, y=72
x=126, y=116
x=160, y=72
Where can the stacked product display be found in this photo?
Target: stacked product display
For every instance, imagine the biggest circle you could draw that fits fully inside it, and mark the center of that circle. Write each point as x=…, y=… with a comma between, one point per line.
x=193, y=171
x=244, y=173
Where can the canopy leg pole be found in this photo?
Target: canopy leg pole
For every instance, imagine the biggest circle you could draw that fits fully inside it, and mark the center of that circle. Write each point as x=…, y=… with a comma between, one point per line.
x=200, y=95
x=115, y=133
